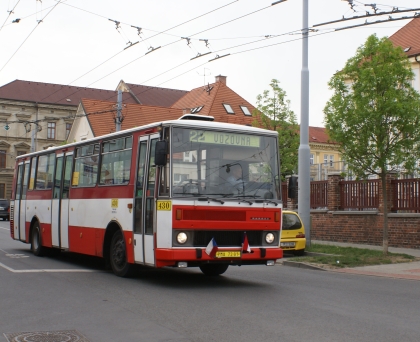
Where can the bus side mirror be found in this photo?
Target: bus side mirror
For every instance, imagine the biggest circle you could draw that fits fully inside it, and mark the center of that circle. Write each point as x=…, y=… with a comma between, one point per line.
x=293, y=187
x=161, y=152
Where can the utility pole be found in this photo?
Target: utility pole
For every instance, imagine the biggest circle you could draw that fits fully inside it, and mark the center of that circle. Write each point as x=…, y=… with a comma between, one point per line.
x=119, y=108
x=304, y=151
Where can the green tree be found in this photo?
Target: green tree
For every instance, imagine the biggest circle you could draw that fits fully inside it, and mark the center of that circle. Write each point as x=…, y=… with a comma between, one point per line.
x=273, y=112
x=374, y=114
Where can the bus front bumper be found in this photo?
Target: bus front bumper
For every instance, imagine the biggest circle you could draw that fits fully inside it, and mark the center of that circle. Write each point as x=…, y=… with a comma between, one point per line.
x=198, y=256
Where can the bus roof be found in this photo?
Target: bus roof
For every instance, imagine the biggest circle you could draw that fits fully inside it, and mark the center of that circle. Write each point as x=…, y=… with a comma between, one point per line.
x=180, y=123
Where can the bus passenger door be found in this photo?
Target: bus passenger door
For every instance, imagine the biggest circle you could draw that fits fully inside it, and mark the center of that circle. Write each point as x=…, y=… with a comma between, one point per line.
x=144, y=238
x=20, y=202
x=60, y=201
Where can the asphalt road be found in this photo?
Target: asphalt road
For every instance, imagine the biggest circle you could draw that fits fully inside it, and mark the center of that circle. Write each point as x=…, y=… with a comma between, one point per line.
x=249, y=303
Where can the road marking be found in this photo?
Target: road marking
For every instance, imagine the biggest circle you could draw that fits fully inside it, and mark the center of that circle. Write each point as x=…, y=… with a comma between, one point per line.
x=45, y=270
x=17, y=256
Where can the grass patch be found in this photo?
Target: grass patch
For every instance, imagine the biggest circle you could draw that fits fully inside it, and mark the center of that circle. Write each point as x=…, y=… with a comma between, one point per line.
x=340, y=257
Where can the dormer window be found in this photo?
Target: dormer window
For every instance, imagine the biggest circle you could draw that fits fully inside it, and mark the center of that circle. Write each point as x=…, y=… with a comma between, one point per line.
x=245, y=110
x=228, y=108
x=196, y=109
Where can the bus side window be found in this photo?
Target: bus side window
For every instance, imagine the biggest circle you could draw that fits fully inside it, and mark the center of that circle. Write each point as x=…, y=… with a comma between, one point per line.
x=33, y=172
x=45, y=170
x=86, y=165
x=116, y=161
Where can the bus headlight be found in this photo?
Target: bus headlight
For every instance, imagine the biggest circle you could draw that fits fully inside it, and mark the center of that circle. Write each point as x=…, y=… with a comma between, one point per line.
x=269, y=238
x=181, y=238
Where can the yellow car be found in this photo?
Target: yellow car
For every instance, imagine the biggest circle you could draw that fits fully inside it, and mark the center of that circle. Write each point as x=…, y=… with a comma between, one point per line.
x=292, y=233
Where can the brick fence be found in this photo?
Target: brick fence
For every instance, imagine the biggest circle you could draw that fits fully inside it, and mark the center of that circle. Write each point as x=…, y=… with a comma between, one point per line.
x=365, y=226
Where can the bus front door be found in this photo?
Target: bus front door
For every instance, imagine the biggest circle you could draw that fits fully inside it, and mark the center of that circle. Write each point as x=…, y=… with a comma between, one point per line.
x=20, y=202
x=60, y=201
x=144, y=198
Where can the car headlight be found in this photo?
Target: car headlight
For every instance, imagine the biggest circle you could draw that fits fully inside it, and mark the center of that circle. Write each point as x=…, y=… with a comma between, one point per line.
x=181, y=238
x=269, y=238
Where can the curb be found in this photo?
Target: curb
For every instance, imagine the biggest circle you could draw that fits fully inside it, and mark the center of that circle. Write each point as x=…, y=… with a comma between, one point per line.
x=301, y=265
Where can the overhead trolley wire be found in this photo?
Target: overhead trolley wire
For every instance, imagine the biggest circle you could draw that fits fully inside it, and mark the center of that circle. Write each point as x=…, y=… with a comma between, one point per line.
x=10, y=13
x=29, y=35
x=123, y=50
x=31, y=15
x=201, y=15
x=213, y=27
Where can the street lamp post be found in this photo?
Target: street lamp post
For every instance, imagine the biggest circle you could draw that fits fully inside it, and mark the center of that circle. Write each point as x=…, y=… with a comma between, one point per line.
x=304, y=151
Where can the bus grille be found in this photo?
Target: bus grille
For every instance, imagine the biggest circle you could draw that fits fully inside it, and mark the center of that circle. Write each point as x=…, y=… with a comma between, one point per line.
x=226, y=238
x=214, y=215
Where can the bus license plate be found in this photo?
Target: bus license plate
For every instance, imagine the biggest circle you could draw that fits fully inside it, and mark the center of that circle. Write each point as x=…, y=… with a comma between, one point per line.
x=228, y=254
x=287, y=244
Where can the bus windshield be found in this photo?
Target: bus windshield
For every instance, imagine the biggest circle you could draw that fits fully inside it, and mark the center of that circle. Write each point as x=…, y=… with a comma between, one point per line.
x=224, y=164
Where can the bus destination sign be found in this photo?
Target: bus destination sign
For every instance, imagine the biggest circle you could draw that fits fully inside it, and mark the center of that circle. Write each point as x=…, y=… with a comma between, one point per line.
x=224, y=138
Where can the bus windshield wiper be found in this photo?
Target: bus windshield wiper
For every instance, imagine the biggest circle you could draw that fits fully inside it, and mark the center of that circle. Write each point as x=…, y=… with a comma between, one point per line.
x=244, y=200
x=203, y=198
x=266, y=201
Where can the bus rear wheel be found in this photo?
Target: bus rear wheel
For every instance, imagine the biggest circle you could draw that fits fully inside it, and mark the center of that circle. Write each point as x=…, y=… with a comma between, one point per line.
x=213, y=270
x=118, y=256
x=36, y=244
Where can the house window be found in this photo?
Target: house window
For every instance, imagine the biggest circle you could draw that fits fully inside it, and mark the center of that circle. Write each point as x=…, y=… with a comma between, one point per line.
x=245, y=110
x=228, y=108
x=68, y=128
x=325, y=158
x=19, y=153
x=331, y=160
x=2, y=190
x=311, y=159
x=51, y=130
x=2, y=158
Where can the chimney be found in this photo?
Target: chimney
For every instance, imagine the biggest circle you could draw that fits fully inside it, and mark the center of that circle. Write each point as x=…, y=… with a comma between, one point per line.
x=221, y=78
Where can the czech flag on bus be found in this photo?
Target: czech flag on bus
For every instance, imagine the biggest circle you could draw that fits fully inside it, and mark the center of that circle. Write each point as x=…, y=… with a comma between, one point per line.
x=245, y=244
x=212, y=248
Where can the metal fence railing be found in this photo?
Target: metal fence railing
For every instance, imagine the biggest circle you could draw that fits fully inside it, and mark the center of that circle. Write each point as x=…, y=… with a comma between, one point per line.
x=359, y=195
x=319, y=194
x=406, y=195
x=364, y=195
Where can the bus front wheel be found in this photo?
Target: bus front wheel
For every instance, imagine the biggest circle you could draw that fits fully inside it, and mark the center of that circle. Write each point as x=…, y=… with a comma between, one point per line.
x=118, y=256
x=213, y=270
x=36, y=245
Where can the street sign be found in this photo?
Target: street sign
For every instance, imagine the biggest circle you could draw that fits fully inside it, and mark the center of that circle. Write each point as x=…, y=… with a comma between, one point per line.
x=6, y=127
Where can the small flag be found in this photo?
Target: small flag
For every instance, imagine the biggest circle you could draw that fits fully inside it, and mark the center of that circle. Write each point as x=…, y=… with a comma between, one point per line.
x=212, y=248
x=245, y=244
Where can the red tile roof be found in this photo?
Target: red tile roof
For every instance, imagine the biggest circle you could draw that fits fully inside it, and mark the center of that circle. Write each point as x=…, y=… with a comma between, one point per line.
x=155, y=96
x=101, y=115
x=212, y=97
x=408, y=37
x=319, y=135
x=49, y=93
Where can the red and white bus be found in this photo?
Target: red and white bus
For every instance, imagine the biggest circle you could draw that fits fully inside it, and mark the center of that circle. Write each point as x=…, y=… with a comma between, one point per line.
x=157, y=195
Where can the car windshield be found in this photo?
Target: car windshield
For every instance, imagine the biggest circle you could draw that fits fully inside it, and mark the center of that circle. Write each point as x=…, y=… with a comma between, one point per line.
x=224, y=164
x=291, y=222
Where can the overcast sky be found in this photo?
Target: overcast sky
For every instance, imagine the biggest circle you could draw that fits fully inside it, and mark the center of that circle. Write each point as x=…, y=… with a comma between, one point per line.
x=76, y=43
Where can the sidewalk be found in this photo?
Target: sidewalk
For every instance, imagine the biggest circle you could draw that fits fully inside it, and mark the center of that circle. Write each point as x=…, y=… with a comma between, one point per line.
x=408, y=270
x=409, y=251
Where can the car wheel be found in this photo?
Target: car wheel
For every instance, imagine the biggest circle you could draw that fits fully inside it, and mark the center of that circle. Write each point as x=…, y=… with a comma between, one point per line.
x=299, y=252
x=36, y=242
x=118, y=256
x=213, y=270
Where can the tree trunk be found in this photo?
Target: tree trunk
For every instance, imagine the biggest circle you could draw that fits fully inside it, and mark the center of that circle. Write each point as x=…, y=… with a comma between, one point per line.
x=385, y=213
